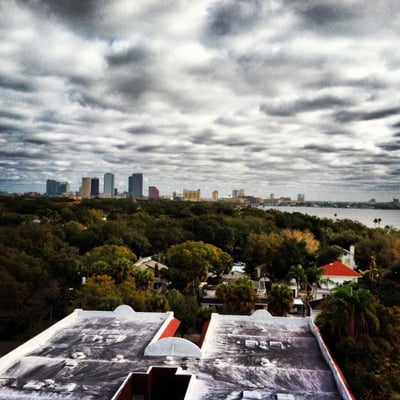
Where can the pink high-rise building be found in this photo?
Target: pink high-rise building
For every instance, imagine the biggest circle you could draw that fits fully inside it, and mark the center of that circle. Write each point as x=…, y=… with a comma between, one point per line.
x=154, y=193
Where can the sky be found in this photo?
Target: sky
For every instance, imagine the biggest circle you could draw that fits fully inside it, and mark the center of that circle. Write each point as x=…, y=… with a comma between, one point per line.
x=269, y=96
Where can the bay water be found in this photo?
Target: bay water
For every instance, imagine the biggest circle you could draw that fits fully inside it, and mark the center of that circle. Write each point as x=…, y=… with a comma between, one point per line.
x=366, y=216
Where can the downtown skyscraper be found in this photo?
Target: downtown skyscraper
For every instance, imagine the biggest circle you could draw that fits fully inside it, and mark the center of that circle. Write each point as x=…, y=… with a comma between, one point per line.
x=109, y=185
x=135, y=186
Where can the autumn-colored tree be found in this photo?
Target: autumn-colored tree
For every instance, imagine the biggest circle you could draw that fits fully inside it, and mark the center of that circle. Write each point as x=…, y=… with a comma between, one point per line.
x=312, y=244
x=131, y=296
x=99, y=293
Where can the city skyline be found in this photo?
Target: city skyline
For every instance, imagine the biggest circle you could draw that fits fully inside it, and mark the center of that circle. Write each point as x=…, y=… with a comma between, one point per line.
x=281, y=97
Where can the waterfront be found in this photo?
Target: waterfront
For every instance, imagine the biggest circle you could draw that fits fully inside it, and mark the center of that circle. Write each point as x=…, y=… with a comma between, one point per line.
x=365, y=216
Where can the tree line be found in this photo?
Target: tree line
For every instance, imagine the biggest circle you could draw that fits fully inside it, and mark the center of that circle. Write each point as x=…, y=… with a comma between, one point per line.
x=47, y=247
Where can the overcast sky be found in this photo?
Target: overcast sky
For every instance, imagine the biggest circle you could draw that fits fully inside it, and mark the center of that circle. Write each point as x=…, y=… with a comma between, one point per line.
x=272, y=96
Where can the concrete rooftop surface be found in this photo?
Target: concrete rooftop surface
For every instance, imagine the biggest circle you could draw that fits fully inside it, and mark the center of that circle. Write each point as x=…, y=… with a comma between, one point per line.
x=123, y=354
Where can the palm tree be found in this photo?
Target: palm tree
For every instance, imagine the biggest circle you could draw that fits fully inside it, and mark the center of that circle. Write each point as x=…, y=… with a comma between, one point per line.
x=280, y=299
x=348, y=312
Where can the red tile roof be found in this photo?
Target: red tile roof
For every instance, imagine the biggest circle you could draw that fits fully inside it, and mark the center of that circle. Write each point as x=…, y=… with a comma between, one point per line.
x=337, y=268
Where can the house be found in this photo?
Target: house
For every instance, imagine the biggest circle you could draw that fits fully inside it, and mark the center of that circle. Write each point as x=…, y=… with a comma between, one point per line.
x=160, y=285
x=337, y=273
x=128, y=355
x=334, y=274
x=348, y=257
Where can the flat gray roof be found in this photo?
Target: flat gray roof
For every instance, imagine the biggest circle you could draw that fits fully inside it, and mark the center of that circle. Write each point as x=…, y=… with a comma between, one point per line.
x=88, y=355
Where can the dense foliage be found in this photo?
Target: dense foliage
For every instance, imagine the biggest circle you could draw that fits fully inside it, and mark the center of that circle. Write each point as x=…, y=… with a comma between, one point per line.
x=47, y=247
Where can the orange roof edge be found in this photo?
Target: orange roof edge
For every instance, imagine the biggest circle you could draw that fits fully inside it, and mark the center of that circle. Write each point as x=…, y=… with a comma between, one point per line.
x=203, y=333
x=171, y=329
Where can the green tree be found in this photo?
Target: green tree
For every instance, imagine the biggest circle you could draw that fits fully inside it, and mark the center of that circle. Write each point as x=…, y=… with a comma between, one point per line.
x=298, y=273
x=239, y=297
x=186, y=309
x=190, y=262
x=157, y=303
x=116, y=261
x=144, y=279
x=348, y=312
x=280, y=299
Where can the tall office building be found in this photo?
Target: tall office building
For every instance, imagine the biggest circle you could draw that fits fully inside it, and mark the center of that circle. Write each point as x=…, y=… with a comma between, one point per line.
x=52, y=187
x=64, y=187
x=154, y=193
x=109, y=183
x=94, y=186
x=86, y=187
x=135, y=186
x=215, y=195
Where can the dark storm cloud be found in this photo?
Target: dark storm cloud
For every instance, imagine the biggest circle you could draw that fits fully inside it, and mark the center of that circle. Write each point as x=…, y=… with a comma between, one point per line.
x=11, y=129
x=390, y=146
x=21, y=154
x=91, y=100
x=37, y=141
x=142, y=130
x=147, y=149
x=326, y=14
x=350, y=116
x=290, y=108
x=14, y=83
x=11, y=115
x=77, y=14
x=131, y=55
x=232, y=17
x=321, y=148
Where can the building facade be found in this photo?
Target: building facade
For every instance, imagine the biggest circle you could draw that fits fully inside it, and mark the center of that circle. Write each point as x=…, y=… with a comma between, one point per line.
x=135, y=186
x=94, y=186
x=192, y=195
x=52, y=187
x=154, y=193
x=86, y=187
x=109, y=185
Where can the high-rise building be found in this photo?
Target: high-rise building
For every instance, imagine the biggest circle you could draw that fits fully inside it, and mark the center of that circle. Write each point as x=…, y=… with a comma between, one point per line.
x=109, y=183
x=192, y=195
x=64, y=187
x=52, y=187
x=238, y=193
x=86, y=187
x=215, y=195
x=154, y=193
x=94, y=186
x=135, y=186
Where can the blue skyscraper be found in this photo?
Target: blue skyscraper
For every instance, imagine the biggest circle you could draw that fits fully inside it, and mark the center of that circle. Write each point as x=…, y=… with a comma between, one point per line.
x=109, y=187
x=52, y=187
x=94, y=187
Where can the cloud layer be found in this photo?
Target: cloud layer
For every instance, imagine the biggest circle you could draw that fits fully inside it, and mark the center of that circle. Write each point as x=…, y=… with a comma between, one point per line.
x=273, y=96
